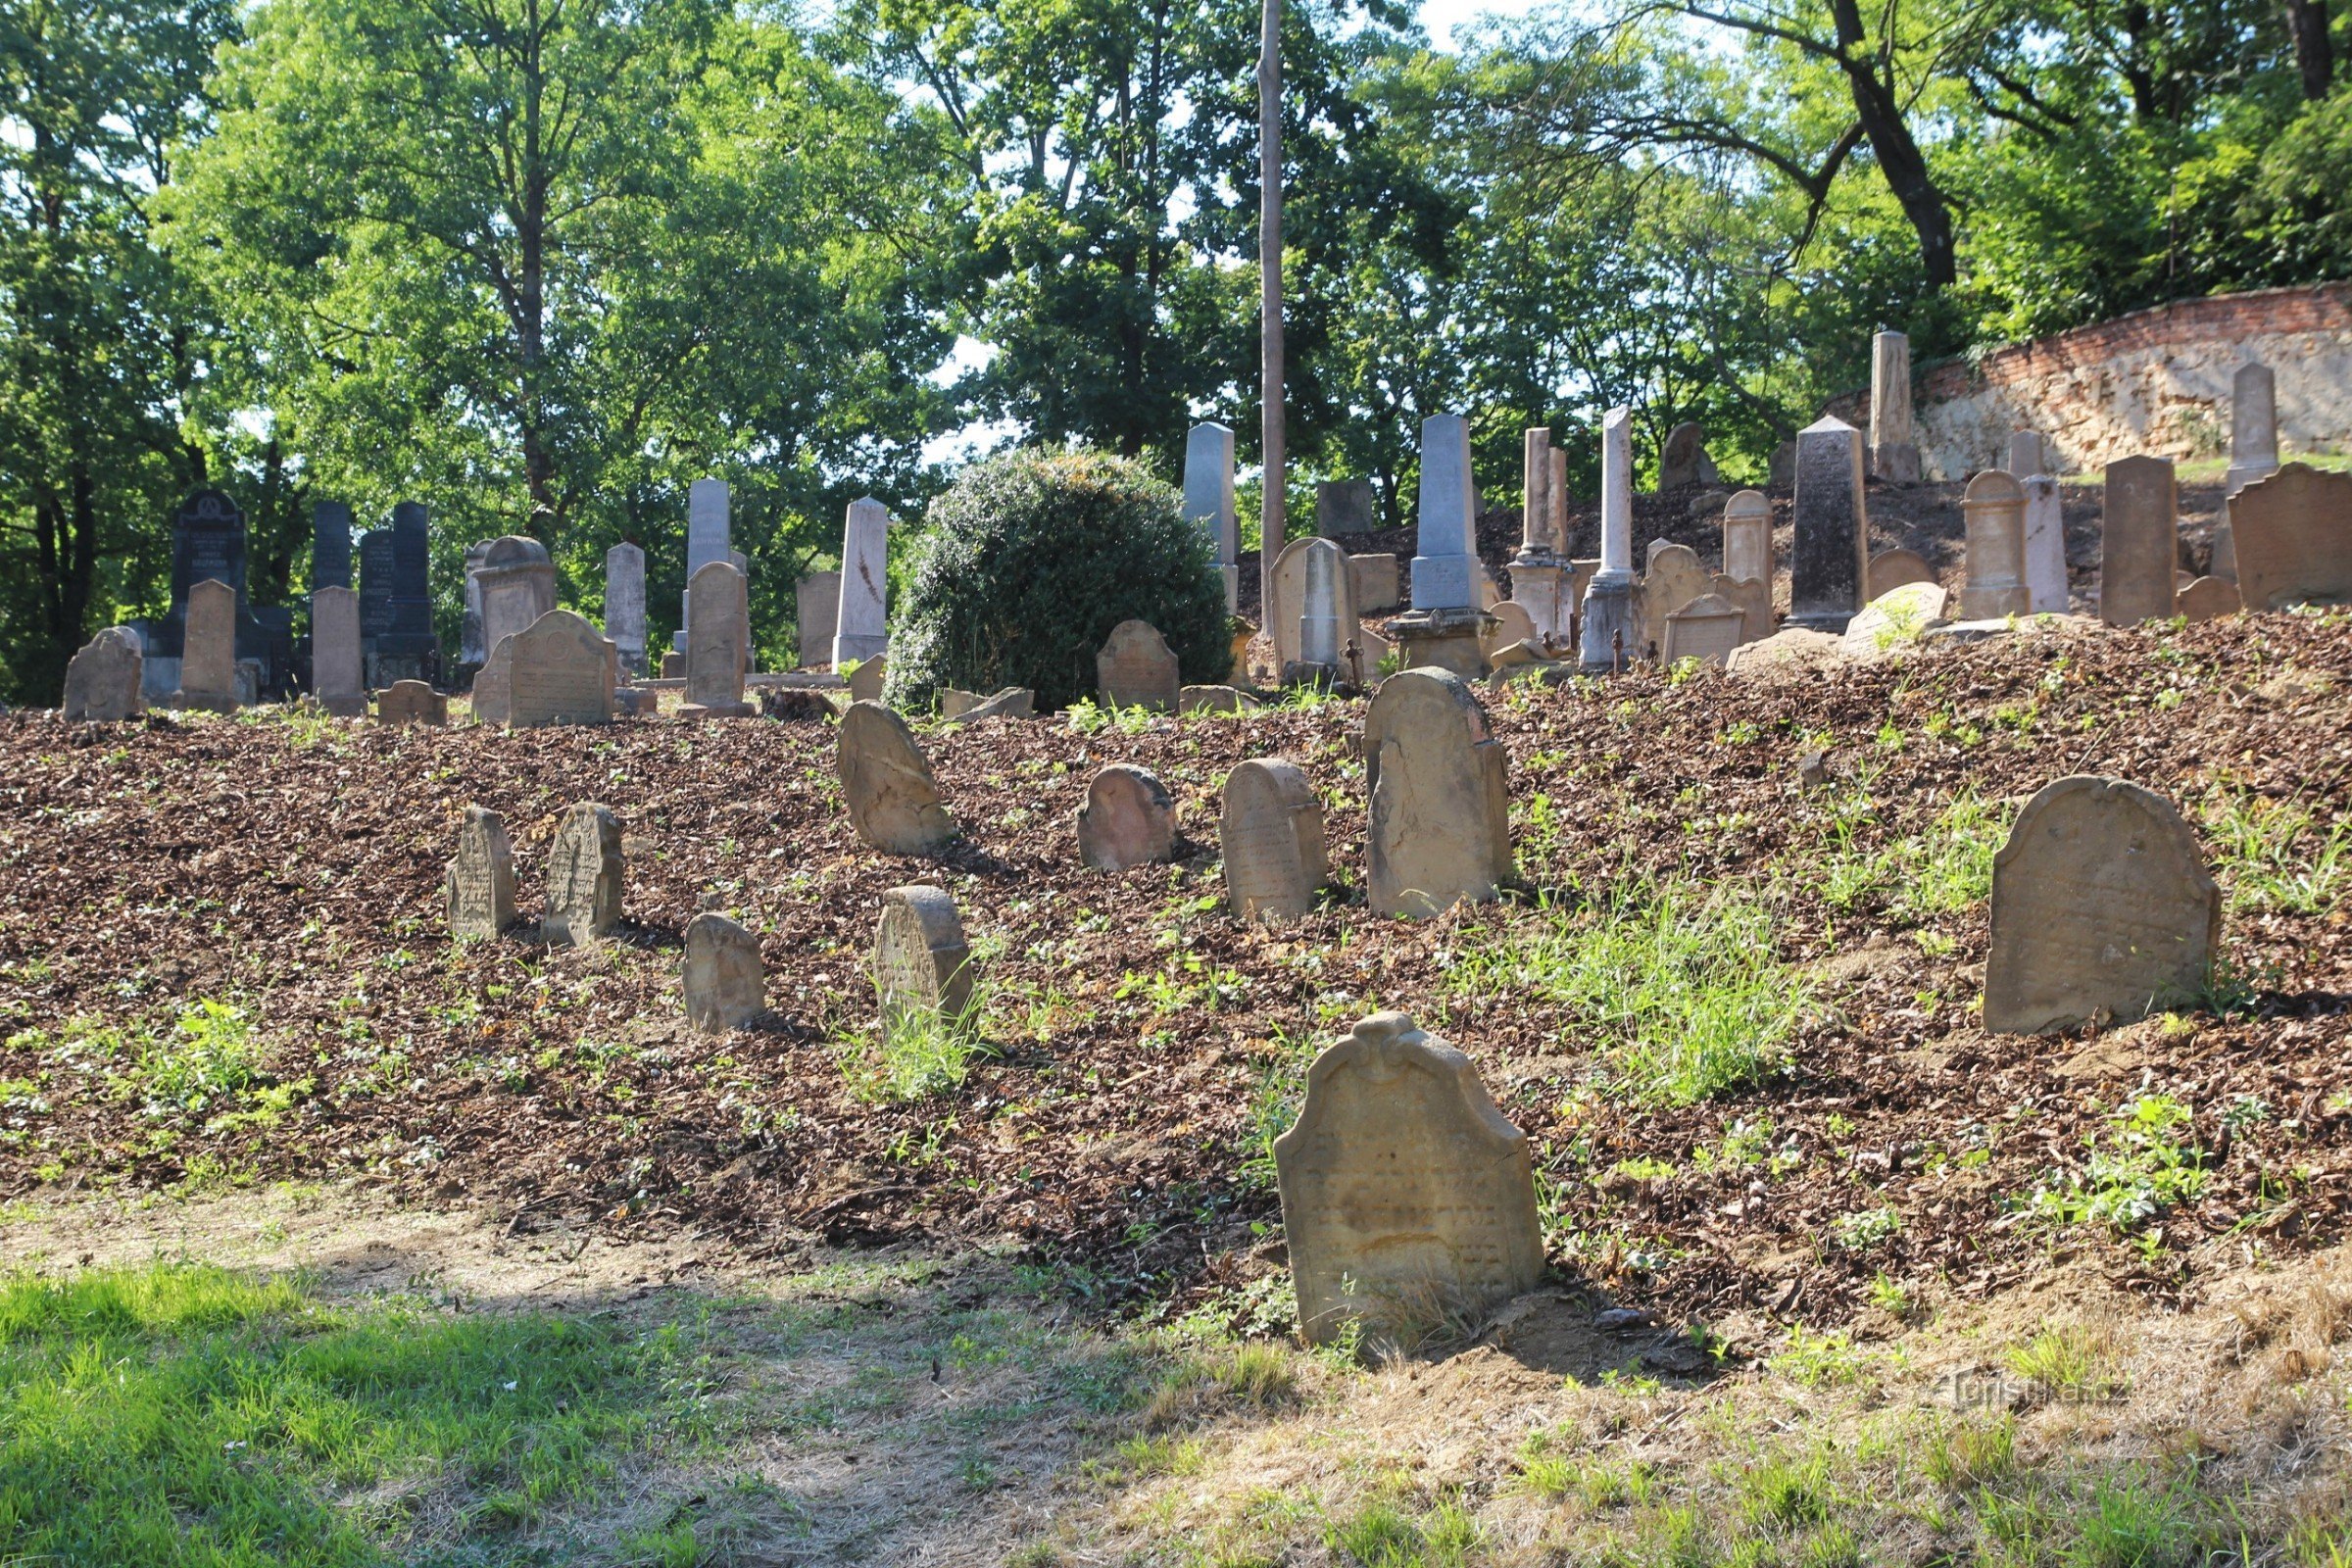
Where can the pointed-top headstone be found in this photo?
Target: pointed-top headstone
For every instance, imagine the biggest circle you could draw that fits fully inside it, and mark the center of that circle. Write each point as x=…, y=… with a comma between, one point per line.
x=861, y=626
x=887, y=783
x=481, y=883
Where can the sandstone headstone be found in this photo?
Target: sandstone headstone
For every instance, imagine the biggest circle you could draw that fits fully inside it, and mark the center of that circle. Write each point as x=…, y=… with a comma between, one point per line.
x=625, y=604
x=2253, y=428
x=1407, y=1197
x=725, y=985
x=923, y=964
x=516, y=582
x=1327, y=618
x=1216, y=700
x=2292, y=534
x=1440, y=811
x=1673, y=579
x=335, y=671
x=1371, y=648
x=481, y=883
x=867, y=677
x=559, y=671
x=1893, y=456
x=1136, y=668
x=1706, y=628
x=1891, y=569
x=1994, y=510
x=1896, y=619
x=1271, y=836
x=2045, y=548
x=1753, y=598
x=1747, y=537
x=104, y=681
x=715, y=650
x=492, y=698
x=2208, y=598
x=1011, y=701
x=817, y=602
x=1373, y=580
x=886, y=780
x=2139, y=542
x=1831, y=566
x=410, y=701
x=2028, y=455
x=1128, y=818
x=861, y=627
x=207, y=665
x=2101, y=909
x=1681, y=458
x=1513, y=623
x=585, y=875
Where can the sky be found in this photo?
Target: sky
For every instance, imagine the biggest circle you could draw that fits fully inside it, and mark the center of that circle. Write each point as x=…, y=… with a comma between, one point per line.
x=1441, y=16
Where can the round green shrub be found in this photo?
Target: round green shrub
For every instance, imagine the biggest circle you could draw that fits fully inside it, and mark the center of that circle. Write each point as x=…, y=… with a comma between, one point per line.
x=1030, y=559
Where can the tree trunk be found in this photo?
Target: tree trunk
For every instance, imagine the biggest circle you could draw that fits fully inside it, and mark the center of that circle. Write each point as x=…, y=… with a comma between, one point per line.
x=531, y=223
x=2315, y=55
x=1271, y=430
x=1900, y=160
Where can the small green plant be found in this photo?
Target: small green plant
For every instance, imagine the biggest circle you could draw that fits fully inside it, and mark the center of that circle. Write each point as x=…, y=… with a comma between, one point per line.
x=2278, y=856
x=918, y=1051
x=1867, y=1229
x=211, y=1055
x=2139, y=1169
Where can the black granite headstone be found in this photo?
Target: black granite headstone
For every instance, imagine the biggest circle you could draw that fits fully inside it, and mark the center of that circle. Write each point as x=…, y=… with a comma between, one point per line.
x=396, y=604
x=330, y=546
x=375, y=584
x=1831, y=562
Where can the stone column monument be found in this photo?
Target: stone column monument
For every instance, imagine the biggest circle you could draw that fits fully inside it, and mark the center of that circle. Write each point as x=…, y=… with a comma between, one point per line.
x=1209, y=500
x=1539, y=568
x=625, y=604
x=1445, y=626
x=706, y=540
x=1894, y=454
x=862, y=628
x=1611, y=630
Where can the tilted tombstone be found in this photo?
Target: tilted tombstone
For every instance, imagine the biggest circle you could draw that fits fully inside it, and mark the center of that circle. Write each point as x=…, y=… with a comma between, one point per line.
x=625, y=604
x=330, y=544
x=2253, y=428
x=336, y=676
x=887, y=783
x=481, y=883
x=2139, y=542
x=2208, y=598
x=585, y=876
x=1128, y=818
x=1209, y=501
x=1009, y=701
x=1440, y=807
x=1994, y=513
x=1136, y=668
x=1832, y=563
x=2028, y=455
x=1894, y=620
x=817, y=601
x=867, y=677
x=1706, y=628
x=2045, y=547
x=1891, y=569
x=1409, y=1200
x=861, y=626
x=923, y=964
x=1373, y=580
x=2102, y=910
x=1514, y=623
x=559, y=671
x=208, y=664
x=1673, y=578
x=1893, y=456
x=1289, y=596
x=410, y=701
x=1747, y=537
x=517, y=585
x=1345, y=506
x=2293, y=536
x=1270, y=834
x=715, y=650
x=1682, y=459
x=706, y=540
x=104, y=681
x=724, y=983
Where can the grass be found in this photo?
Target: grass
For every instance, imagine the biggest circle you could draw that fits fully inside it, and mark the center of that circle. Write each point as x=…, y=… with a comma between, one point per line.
x=913, y=1054
x=2277, y=855
x=1945, y=867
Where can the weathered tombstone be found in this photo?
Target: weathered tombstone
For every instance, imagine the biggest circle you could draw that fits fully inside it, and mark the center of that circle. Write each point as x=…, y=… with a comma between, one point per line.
x=1408, y=1201
x=1217, y=699
x=708, y=539
x=625, y=604
x=1612, y=634
x=2253, y=428
x=1373, y=581
x=1893, y=457
x=492, y=700
x=103, y=681
x=2045, y=547
x=1290, y=595
x=2102, y=910
x=516, y=584
x=1514, y=623
x=1371, y=650
x=1440, y=808
x=1136, y=668
x=1832, y=563
x=1271, y=836
x=1754, y=600
x=410, y=701
x=1128, y=818
x=715, y=652
x=1327, y=618
x=1345, y=506
x=886, y=781
x=559, y=671
x=1894, y=620
x=2208, y=598
x=2139, y=542
x=1673, y=579
x=1891, y=569
x=1209, y=501
x=743, y=631
x=2028, y=455
x=867, y=677
x=923, y=964
x=1706, y=628
x=2293, y=538
x=817, y=601
x=1011, y=702
x=472, y=649
x=724, y=983
x=1781, y=467
x=330, y=544
x=1539, y=568
x=1747, y=537
x=481, y=883
x=1994, y=513
x=1683, y=457
x=1445, y=624
x=585, y=877
x=335, y=668
x=208, y=664
x=861, y=626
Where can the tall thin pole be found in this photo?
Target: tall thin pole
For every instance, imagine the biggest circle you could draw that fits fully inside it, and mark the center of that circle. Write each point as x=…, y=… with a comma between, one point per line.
x=1272, y=434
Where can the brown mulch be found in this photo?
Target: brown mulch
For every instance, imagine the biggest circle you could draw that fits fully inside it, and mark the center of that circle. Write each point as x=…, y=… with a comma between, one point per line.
x=295, y=873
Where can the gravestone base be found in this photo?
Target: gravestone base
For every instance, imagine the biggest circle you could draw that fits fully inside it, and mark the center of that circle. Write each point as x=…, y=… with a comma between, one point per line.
x=386, y=670
x=202, y=701
x=716, y=711
x=1231, y=576
x=1538, y=579
x=1993, y=604
x=1322, y=677
x=1452, y=640
x=1611, y=638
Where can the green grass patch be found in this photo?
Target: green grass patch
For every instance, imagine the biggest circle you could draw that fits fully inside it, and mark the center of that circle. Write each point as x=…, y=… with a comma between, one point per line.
x=2277, y=855
x=1945, y=866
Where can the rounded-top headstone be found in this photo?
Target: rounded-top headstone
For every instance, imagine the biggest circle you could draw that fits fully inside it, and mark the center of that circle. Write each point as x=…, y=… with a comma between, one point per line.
x=724, y=984
x=1439, y=823
x=1136, y=668
x=1128, y=818
x=1271, y=837
x=923, y=964
x=887, y=783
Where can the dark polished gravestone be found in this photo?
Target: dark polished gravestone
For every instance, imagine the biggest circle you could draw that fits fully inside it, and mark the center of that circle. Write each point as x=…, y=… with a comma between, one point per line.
x=330, y=544
x=207, y=545
x=396, y=604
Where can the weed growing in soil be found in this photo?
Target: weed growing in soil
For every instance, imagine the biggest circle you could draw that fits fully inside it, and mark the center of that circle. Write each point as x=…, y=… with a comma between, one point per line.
x=210, y=1056
x=2275, y=855
x=2137, y=1172
x=914, y=1053
x=1945, y=867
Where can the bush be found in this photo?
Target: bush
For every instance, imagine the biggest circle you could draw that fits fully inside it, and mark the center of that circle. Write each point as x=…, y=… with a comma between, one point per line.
x=1027, y=563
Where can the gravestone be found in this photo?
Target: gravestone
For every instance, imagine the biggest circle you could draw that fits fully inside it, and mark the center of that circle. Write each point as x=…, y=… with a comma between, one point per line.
x=724, y=983
x=410, y=701
x=480, y=882
x=330, y=544
x=861, y=626
x=2253, y=428
x=472, y=649
x=1893, y=456
x=1345, y=506
x=1373, y=581
x=1327, y=618
x=1209, y=501
x=335, y=666
x=715, y=650
x=1447, y=620
x=2028, y=455
x=1408, y=1201
x=1128, y=818
x=743, y=631
x=887, y=783
x=1673, y=578
x=625, y=604
x=1290, y=593
x=1706, y=628
x=491, y=701
x=865, y=679
x=1514, y=623
x=1754, y=600
x=402, y=646
x=708, y=539
x=559, y=671
x=2293, y=538
x=2045, y=548
x=1009, y=701
x=208, y=664
x=207, y=545
x=1610, y=636
x=585, y=875
x=816, y=603
x=2138, y=542
x=1440, y=809
x=2102, y=910
x=1683, y=460
x=1540, y=568
x=1217, y=699
x=105, y=680
x=1895, y=619
x=516, y=584
x=1832, y=563
x=1135, y=669
x=1270, y=834
x=923, y=964
x=1993, y=511
x=1747, y=537
x=2208, y=598
x=1891, y=569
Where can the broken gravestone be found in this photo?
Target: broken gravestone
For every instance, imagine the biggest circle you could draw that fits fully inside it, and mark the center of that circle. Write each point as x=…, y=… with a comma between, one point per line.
x=887, y=783
x=1271, y=836
x=2102, y=910
x=103, y=680
x=584, y=877
x=2293, y=536
x=1440, y=811
x=923, y=964
x=724, y=984
x=1128, y=818
x=1409, y=1203
x=481, y=878
x=1136, y=668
